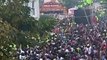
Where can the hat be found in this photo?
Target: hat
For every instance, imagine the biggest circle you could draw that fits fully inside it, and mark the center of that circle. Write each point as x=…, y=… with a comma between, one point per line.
x=104, y=30
x=88, y=44
x=61, y=58
x=66, y=50
x=41, y=59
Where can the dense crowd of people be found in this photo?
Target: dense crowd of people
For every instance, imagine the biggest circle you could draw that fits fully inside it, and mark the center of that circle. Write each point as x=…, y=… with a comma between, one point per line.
x=71, y=42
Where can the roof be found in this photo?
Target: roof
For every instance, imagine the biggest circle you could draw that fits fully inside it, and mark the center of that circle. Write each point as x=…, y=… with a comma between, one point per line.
x=52, y=6
x=52, y=3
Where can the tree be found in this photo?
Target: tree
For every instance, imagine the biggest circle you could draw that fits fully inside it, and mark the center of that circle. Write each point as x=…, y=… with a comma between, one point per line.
x=70, y=3
x=19, y=28
x=100, y=13
x=7, y=37
x=45, y=25
x=85, y=3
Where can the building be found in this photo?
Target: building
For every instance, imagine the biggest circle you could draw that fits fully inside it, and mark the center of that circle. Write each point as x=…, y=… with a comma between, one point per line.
x=49, y=1
x=52, y=6
x=71, y=11
x=35, y=11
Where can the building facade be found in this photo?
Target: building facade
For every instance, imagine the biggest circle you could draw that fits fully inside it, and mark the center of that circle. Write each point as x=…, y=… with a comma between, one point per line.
x=35, y=9
x=52, y=6
x=50, y=0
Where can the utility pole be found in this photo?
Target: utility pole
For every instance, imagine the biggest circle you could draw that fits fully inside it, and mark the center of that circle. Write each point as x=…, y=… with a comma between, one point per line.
x=92, y=11
x=86, y=16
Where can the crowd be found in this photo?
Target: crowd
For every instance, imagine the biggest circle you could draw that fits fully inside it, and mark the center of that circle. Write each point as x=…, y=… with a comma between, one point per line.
x=71, y=42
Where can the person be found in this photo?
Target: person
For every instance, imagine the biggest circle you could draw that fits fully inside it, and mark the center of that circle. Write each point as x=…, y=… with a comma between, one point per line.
x=22, y=55
x=78, y=42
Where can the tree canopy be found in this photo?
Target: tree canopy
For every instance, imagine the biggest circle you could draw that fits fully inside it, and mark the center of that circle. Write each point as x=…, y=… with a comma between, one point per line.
x=69, y=3
x=17, y=27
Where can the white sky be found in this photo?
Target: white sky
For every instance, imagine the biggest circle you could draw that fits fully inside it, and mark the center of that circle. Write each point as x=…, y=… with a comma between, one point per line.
x=48, y=0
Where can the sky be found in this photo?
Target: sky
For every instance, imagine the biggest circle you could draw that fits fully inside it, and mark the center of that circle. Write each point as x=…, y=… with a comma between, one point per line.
x=47, y=0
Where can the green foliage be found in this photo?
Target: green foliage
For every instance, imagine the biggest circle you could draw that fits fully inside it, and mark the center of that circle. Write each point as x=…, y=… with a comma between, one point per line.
x=70, y=3
x=79, y=3
x=100, y=13
x=7, y=37
x=17, y=28
x=46, y=23
x=42, y=32
x=14, y=11
x=89, y=1
x=85, y=3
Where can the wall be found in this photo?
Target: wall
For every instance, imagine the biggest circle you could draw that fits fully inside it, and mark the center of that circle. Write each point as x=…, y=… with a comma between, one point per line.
x=35, y=11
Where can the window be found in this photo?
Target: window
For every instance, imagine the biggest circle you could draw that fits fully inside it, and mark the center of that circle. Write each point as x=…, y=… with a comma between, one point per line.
x=32, y=4
x=33, y=9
